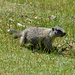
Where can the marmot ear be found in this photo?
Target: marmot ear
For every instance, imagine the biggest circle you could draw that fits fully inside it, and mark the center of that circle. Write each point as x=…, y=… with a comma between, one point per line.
x=53, y=29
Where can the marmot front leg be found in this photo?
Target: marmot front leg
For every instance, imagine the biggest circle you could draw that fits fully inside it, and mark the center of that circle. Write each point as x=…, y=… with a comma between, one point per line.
x=47, y=44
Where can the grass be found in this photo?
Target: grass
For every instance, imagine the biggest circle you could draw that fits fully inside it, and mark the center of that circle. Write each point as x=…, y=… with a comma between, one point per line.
x=22, y=61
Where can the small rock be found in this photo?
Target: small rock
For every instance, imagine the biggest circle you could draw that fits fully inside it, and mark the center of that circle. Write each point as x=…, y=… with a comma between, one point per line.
x=0, y=21
x=52, y=17
x=11, y=20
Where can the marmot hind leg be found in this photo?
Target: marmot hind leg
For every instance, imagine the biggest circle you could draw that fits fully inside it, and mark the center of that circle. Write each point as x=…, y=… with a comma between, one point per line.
x=23, y=39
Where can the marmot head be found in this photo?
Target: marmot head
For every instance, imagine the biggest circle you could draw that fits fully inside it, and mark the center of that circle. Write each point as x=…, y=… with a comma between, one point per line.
x=58, y=32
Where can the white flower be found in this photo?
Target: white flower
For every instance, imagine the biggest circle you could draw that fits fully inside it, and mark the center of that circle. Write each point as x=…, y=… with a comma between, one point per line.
x=36, y=17
x=19, y=24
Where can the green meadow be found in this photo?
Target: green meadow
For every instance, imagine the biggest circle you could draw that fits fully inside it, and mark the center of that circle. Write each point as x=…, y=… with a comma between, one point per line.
x=19, y=14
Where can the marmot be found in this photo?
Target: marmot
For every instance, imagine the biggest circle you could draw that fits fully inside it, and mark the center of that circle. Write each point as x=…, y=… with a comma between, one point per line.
x=40, y=36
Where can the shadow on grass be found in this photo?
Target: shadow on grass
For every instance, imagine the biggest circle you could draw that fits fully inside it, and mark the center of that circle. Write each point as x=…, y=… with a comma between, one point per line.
x=64, y=51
